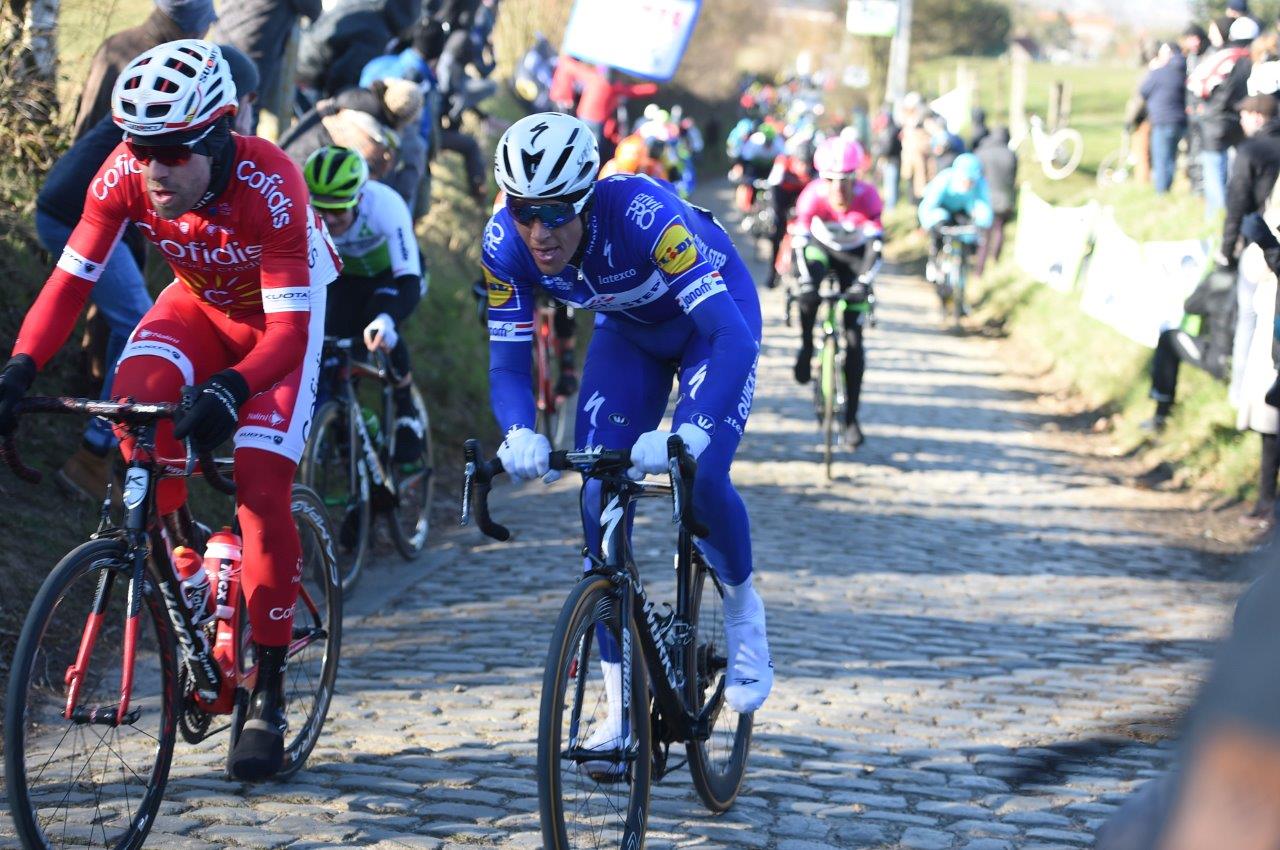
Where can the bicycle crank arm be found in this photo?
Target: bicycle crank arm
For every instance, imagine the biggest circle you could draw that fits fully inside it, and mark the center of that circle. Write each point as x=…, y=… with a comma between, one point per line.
x=105, y=715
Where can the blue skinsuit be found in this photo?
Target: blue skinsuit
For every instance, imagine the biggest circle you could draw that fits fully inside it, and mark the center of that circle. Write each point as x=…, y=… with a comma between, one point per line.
x=673, y=300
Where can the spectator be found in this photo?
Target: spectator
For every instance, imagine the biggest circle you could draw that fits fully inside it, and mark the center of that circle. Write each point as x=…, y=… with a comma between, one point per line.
x=397, y=105
x=886, y=146
x=1000, y=168
x=1203, y=340
x=1253, y=177
x=978, y=127
x=331, y=124
x=1257, y=373
x=1220, y=82
x=169, y=20
x=1193, y=43
x=598, y=105
x=263, y=29
x=1164, y=92
x=335, y=49
x=534, y=75
x=120, y=293
x=915, y=144
x=1264, y=58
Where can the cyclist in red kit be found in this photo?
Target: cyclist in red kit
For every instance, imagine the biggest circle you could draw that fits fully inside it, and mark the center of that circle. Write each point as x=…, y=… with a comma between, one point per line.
x=241, y=324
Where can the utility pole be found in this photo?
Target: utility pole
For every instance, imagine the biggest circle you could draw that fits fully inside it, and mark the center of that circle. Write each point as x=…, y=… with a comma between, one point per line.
x=899, y=54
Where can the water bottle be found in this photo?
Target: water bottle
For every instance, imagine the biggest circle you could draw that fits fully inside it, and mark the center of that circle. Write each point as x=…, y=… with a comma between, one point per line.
x=222, y=557
x=195, y=584
x=371, y=424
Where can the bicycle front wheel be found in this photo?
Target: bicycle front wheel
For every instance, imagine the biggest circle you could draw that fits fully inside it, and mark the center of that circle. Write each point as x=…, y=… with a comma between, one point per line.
x=89, y=781
x=331, y=466
x=586, y=804
x=312, y=667
x=828, y=384
x=415, y=489
x=717, y=764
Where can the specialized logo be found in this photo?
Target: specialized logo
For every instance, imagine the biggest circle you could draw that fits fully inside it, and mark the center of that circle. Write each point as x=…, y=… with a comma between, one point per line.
x=695, y=383
x=700, y=290
x=122, y=166
x=268, y=186
x=593, y=406
x=643, y=209
x=608, y=253
x=675, y=252
x=493, y=235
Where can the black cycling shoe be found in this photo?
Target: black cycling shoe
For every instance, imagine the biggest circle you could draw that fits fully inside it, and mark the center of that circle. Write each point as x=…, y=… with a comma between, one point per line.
x=408, y=439
x=853, y=434
x=566, y=384
x=804, y=366
x=259, y=752
x=349, y=531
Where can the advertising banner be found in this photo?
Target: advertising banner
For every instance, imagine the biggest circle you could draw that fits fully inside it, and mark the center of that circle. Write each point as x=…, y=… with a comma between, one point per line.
x=1052, y=241
x=875, y=18
x=645, y=38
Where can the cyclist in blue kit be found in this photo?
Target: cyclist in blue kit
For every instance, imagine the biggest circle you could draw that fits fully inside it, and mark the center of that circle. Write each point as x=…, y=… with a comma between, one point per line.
x=673, y=301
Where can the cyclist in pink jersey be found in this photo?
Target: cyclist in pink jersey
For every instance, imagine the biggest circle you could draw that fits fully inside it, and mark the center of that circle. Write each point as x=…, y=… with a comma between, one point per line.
x=240, y=326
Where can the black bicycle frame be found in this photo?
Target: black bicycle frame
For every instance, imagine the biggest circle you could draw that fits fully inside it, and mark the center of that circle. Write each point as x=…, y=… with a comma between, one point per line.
x=385, y=375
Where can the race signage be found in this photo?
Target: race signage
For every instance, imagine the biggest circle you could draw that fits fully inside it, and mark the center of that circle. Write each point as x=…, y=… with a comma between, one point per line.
x=644, y=38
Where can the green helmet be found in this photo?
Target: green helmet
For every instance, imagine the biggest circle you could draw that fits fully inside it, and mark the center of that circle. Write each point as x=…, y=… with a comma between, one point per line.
x=334, y=175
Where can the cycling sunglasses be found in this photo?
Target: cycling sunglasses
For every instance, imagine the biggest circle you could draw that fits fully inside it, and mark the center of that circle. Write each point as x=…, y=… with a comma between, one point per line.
x=552, y=214
x=170, y=154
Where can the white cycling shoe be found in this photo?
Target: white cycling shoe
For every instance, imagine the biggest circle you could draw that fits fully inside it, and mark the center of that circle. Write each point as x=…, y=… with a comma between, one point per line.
x=750, y=674
x=607, y=735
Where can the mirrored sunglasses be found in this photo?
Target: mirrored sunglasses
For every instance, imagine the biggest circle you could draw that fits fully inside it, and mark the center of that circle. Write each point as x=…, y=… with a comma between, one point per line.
x=169, y=155
x=552, y=214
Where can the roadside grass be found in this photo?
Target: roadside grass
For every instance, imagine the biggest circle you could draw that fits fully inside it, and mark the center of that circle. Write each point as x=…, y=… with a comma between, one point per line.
x=1107, y=374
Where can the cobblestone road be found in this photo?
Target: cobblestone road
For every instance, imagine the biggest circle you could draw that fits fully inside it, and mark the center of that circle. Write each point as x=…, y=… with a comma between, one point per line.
x=969, y=629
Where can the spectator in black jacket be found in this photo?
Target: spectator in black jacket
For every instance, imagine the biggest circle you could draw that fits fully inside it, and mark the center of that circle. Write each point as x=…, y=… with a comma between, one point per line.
x=335, y=49
x=1220, y=82
x=262, y=29
x=978, y=129
x=1164, y=91
x=1000, y=168
x=886, y=146
x=1253, y=175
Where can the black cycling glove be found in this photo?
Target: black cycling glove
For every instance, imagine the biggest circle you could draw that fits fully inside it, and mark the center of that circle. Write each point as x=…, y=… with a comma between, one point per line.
x=15, y=380
x=211, y=410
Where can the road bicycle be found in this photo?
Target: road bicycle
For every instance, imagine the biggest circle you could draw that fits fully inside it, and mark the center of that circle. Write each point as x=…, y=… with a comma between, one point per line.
x=830, y=392
x=672, y=665
x=1058, y=152
x=759, y=221
x=556, y=410
x=349, y=457
x=96, y=699
x=1117, y=167
x=952, y=274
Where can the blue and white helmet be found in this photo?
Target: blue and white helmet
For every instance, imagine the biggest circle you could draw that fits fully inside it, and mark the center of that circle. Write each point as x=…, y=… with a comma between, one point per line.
x=546, y=155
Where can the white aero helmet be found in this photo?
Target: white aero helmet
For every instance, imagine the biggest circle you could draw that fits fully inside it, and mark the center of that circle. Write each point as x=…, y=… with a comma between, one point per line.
x=547, y=155
x=174, y=87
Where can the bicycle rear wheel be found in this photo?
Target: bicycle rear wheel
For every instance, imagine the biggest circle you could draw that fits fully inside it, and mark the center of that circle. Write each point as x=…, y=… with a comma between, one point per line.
x=77, y=782
x=415, y=488
x=718, y=763
x=580, y=807
x=312, y=668
x=342, y=483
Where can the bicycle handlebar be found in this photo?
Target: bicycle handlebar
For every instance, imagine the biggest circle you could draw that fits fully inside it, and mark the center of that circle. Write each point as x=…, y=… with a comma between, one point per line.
x=480, y=472
x=127, y=412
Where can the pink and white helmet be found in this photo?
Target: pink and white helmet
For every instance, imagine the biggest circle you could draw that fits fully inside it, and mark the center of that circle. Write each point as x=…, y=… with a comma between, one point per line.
x=839, y=157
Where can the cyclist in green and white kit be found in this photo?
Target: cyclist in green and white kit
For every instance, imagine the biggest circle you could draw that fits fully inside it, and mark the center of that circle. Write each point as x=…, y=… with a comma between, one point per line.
x=382, y=278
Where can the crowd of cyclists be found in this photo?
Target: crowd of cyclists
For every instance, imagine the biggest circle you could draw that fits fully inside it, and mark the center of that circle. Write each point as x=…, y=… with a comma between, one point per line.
x=274, y=246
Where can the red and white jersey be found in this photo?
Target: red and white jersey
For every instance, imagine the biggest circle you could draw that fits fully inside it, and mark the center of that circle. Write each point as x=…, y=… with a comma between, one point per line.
x=256, y=253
